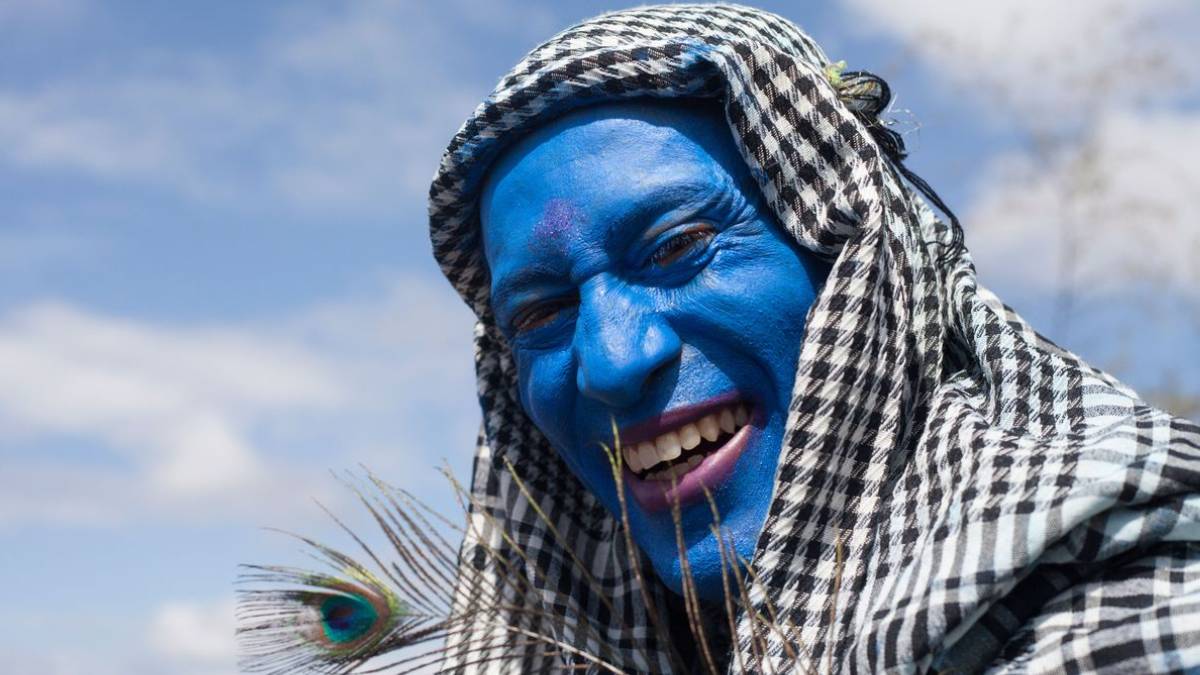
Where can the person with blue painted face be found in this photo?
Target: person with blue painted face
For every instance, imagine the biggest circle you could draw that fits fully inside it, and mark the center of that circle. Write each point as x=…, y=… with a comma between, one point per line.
x=640, y=278
x=690, y=236
x=746, y=406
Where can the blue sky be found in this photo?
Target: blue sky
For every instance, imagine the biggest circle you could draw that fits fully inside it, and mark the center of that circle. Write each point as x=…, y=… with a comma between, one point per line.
x=215, y=283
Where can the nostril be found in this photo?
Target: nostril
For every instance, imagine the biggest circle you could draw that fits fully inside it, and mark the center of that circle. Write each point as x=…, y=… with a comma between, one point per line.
x=663, y=371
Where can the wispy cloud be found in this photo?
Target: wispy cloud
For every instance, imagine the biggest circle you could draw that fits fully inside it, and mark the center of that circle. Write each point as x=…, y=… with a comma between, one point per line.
x=173, y=400
x=34, y=250
x=1088, y=221
x=209, y=125
x=193, y=638
x=1099, y=92
x=174, y=637
x=1054, y=60
x=14, y=13
x=104, y=418
x=1118, y=207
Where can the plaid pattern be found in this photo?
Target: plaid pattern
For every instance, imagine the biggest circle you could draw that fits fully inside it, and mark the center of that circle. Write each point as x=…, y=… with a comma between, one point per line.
x=999, y=503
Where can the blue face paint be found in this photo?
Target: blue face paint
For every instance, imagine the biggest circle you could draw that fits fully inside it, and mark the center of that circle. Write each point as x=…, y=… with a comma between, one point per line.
x=671, y=301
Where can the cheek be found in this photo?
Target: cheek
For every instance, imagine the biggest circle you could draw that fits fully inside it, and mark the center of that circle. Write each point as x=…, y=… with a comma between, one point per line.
x=759, y=300
x=550, y=398
x=547, y=384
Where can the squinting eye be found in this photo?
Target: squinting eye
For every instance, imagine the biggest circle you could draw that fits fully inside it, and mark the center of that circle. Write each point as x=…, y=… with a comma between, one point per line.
x=541, y=313
x=683, y=243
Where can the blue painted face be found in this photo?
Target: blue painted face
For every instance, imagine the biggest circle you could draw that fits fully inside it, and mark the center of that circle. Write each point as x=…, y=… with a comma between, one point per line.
x=639, y=276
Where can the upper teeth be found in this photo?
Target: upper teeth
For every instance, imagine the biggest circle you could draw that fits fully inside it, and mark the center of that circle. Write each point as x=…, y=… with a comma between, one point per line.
x=669, y=445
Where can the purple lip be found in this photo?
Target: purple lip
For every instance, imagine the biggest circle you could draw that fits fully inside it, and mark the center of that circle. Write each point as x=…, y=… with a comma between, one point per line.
x=673, y=419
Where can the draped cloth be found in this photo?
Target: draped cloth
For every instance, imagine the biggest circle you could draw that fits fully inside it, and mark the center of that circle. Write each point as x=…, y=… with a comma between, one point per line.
x=955, y=492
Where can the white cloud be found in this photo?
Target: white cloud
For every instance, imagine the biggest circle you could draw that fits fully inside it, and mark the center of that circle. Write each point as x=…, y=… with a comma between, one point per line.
x=1053, y=60
x=105, y=419
x=1096, y=244
x=195, y=638
x=43, y=130
x=175, y=131
x=1121, y=206
x=173, y=638
x=173, y=400
x=1087, y=222
x=63, y=662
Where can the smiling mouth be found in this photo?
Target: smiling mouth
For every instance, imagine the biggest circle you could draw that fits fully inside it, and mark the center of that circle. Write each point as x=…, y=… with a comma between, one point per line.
x=672, y=453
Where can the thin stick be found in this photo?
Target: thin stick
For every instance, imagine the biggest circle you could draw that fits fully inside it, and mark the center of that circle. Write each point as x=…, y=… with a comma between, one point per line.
x=773, y=624
x=691, y=601
x=562, y=542
x=616, y=462
x=725, y=589
x=586, y=626
x=837, y=585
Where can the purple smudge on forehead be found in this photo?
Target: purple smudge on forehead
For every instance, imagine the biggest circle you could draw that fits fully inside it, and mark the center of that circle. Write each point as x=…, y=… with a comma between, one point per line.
x=558, y=218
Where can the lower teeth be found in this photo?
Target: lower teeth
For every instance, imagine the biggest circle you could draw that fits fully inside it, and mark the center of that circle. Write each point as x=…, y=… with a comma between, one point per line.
x=677, y=470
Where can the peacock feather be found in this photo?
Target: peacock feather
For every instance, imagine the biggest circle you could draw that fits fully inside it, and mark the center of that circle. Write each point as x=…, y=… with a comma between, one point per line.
x=354, y=610
x=394, y=613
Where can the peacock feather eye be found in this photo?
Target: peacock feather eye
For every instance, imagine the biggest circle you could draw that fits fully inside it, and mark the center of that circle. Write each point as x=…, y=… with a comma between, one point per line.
x=346, y=619
x=344, y=614
x=340, y=619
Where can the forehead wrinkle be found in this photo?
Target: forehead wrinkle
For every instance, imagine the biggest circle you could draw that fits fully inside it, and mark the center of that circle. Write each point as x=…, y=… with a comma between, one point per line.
x=711, y=185
x=661, y=202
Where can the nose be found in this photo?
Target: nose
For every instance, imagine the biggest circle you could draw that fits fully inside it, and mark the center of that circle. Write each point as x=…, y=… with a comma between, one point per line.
x=620, y=342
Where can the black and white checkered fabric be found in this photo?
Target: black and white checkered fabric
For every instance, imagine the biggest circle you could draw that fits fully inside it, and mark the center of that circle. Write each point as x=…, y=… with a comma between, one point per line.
x=1000, y=504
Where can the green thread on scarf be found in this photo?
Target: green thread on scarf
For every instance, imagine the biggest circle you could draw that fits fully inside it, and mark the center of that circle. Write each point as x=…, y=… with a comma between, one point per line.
x=833, y=72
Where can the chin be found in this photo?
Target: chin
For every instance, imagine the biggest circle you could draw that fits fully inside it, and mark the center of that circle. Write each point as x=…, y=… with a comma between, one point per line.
x=704, y=566
x=742, y=507
x=724, y=446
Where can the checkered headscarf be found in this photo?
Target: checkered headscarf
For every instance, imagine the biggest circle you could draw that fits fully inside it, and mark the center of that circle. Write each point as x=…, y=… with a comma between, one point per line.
x=998, y=502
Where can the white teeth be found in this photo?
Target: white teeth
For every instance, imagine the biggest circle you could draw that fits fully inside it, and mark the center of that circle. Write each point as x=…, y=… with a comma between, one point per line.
x=632, y=459
x=689, y=436
x=668, y=446
x=647, y=455
x=726, y=421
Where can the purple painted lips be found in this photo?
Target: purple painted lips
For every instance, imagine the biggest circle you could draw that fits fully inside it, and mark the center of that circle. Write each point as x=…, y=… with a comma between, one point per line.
x=678, y=454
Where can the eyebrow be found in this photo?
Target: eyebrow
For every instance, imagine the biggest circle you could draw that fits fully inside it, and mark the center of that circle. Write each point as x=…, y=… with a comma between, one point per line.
x=510, y=284
x=696, y=194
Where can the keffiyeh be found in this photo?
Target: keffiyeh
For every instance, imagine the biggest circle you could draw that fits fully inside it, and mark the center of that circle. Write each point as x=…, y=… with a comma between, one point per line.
x=955, y=492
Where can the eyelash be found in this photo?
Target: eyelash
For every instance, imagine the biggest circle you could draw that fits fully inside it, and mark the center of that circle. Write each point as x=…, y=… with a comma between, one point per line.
x=675, y=247
x=541, y=313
